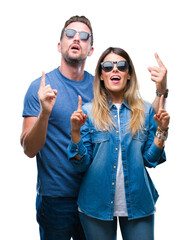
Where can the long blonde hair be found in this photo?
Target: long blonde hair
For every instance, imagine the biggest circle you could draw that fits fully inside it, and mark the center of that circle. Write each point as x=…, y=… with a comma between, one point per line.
x=100, y=105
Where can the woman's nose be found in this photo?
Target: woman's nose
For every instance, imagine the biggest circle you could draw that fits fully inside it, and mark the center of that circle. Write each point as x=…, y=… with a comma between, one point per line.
x=115, y=69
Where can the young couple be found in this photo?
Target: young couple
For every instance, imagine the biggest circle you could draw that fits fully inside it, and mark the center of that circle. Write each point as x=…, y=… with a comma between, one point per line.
x=114, y=139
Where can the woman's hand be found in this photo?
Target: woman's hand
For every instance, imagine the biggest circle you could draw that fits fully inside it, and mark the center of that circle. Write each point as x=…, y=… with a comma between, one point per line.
x=78, y=119
x=162, y=118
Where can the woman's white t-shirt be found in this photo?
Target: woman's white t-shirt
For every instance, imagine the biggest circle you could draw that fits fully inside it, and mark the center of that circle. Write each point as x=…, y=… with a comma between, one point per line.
x=120, y=208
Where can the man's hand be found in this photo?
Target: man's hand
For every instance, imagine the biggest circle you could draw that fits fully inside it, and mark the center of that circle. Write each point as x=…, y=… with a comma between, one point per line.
x=159, y=75
x=47, y=96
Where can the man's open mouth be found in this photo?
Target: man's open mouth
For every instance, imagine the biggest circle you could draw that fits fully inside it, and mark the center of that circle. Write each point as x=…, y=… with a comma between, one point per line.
x=75, y=47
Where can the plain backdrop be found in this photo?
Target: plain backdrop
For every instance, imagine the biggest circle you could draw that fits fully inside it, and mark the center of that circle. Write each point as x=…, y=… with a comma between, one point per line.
x=29, y=33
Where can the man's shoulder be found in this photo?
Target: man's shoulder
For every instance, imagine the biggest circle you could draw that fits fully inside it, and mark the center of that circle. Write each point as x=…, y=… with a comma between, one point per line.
x=37, y=81
x=88, y=75
x=148, y=108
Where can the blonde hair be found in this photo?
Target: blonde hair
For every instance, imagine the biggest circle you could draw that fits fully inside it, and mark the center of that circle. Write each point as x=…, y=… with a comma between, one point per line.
x=100, y=105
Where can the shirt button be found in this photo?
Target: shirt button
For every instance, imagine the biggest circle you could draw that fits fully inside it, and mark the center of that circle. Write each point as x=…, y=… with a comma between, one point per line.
x=111, y=202
x=121, y=116
x=115, y=116
x=123, y=148
x=125, y=166
x=116, y=149
x=127, y=183
x=117, y=131
x=112, y=183
x=76, y=149
x=128, y=201
x=114, y=166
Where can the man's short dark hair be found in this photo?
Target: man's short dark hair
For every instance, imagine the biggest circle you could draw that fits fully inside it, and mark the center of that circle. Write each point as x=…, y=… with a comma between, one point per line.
x=81, y=19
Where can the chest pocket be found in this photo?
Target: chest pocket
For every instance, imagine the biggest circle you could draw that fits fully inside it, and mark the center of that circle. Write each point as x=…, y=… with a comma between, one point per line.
x=141, y=135
x=99, y=136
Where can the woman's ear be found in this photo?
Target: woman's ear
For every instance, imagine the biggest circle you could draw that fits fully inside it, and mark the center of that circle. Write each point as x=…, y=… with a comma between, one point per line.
x=101, y=78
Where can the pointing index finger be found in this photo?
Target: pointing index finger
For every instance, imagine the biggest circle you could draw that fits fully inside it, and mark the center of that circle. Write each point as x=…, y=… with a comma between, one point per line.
x=42, y=84
x=80, y=103
x=161, y=103
x=160, y=63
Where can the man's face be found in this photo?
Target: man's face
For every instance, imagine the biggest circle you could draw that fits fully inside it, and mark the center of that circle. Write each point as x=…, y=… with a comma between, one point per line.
x=74, y=50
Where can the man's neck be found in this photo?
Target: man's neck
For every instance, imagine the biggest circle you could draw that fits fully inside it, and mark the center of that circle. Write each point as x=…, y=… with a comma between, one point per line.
x=75, y=73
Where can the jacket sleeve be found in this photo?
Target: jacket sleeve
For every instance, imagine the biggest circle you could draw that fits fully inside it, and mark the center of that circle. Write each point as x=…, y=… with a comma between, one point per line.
x=152, y=155
x=83, y=149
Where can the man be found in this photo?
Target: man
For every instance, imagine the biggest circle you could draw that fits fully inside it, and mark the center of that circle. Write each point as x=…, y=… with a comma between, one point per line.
x=48, y=105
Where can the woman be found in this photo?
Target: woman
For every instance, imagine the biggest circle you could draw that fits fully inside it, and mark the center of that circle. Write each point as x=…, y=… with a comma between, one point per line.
x=114, y=139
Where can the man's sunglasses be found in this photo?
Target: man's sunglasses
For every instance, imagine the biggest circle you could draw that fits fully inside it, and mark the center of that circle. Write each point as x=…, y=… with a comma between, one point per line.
x=108, y=66
x=84, y=36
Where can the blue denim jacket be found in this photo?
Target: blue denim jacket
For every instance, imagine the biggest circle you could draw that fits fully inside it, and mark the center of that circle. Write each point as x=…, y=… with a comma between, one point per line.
x=99, y=150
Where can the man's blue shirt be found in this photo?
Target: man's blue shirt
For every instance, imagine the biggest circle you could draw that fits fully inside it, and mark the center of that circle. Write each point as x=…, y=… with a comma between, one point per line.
x=99, y=150
x=56, y=175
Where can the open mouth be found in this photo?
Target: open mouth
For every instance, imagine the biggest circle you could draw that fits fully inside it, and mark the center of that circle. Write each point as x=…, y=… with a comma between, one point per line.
x=75, y=47
x=115, y=78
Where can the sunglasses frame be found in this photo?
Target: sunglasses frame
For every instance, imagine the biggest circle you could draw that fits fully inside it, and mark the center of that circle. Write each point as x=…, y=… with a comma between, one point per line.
x=88, y=34
x=115, y=62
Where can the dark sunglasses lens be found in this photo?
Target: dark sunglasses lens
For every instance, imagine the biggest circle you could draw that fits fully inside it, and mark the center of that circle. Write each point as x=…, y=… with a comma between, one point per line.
x=84, y=36
x=122, y=66
x=107, y=66
x=70, y=33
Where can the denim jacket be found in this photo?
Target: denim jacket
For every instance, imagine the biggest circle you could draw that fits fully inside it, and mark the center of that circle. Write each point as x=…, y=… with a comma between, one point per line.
x=99, y=150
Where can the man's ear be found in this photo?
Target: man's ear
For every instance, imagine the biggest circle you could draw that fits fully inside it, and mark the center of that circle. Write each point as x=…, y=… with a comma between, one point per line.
x=91, y=50
x=59, y=46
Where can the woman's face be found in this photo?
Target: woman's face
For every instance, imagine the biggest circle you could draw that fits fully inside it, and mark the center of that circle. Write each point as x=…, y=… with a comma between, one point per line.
x=115, y=81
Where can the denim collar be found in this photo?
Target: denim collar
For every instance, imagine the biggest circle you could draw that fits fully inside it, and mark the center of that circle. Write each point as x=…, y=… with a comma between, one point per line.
x=124, y=104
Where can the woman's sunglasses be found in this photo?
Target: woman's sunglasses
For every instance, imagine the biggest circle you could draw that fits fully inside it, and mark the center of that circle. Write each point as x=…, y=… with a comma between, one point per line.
x=84, y=36
x=108, y=66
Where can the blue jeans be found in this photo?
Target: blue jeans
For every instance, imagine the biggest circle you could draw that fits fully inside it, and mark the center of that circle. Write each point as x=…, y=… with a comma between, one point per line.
x=138, y=229
x=58, y=218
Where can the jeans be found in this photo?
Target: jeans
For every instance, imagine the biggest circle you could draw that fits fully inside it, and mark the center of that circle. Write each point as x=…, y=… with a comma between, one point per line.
x=138, y=229
x=58, y=218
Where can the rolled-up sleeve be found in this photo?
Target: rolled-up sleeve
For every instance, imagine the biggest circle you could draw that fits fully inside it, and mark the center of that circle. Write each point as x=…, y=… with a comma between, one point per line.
x=80, y=150
x=152, y=154
x=76, y=149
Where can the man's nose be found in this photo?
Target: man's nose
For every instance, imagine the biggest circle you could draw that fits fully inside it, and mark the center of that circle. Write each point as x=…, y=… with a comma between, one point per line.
x=77, y=36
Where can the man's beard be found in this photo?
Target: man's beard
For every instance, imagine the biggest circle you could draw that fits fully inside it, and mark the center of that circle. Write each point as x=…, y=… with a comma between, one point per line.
x=75, y=62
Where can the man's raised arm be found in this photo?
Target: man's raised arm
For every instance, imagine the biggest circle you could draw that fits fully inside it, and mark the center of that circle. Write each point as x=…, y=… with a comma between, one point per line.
x=159, y=76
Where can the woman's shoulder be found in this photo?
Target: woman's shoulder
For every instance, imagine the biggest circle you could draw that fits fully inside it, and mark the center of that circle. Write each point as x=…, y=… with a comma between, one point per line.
x=87, y=107
x=148, y=107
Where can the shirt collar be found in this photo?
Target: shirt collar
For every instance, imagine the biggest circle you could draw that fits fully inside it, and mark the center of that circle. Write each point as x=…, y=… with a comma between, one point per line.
x=124, y=104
